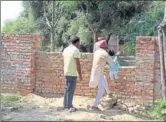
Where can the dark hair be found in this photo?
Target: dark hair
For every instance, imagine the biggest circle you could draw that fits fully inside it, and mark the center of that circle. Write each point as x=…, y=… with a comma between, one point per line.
x=75, y=39
x=121, y=42
x=111, y=53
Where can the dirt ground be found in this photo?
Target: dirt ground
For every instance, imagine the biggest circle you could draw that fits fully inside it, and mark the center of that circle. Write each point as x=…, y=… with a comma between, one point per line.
x=36, y=108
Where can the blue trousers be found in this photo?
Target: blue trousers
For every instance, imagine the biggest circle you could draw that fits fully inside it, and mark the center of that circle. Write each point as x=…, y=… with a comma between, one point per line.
x=70, y=85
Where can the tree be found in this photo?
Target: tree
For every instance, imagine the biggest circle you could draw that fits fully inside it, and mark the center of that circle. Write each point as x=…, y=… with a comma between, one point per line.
x=20, y=25
x=57, y=12
x=101, y=18
x=109, y=17
x=162, y=47
x=85, y=7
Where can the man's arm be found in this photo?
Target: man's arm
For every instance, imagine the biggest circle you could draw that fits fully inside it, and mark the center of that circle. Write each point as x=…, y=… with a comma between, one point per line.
x=110, y=61
x=113, y=61
x=77, y=60
x=118, y=53
x=77, y=56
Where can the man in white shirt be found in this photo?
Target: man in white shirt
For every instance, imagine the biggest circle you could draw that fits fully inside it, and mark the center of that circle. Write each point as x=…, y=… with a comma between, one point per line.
x=72, y=70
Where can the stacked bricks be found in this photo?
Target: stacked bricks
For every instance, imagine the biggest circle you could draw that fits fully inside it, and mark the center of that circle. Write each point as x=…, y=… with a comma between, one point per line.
x=124, y=88
x=43, y=72
x=21, y=49
x=49, y=73
x=145, y=68
x=50, y=78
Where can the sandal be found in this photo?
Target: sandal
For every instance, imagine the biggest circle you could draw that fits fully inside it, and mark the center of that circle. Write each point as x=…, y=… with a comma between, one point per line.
x=95, y=108
x=110, y=95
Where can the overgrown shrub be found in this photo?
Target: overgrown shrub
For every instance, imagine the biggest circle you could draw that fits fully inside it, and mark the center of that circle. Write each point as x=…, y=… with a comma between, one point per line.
x=158, y=111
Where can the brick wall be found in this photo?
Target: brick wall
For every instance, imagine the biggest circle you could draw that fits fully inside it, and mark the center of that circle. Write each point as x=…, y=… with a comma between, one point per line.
x=43, y=71
x=148, y=68
x=50, y=78
x=20, y=49
x=139, y=83
x=145, y=62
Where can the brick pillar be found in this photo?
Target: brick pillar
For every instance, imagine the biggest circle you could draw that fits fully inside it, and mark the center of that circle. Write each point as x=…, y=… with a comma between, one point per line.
x=22, y=51
x=145, y=68
x=27, y=46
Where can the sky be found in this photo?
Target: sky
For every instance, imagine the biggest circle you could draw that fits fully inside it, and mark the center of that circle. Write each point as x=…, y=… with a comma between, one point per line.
x=10, y=10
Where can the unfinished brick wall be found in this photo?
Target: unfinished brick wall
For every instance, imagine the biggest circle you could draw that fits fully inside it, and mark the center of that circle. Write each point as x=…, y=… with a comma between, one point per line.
x=148, y=69
x=135, y=83
x=50, y=78
x=43, y=72
x=21, y=49
x=145, y=62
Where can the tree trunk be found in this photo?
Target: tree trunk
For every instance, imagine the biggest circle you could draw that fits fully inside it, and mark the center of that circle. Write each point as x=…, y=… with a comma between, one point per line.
x=162, y=64
x=162, y=47
x=94, y=37
x=52, y=41
x=53, y=26
x=108, y=37
x=164, y=53
x=164, y=37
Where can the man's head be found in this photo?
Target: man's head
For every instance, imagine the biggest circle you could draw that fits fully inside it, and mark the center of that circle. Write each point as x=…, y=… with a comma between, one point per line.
x=103, y=44
x=111, y=53
x=121, y=43
x=99, y=39
x=75, y=41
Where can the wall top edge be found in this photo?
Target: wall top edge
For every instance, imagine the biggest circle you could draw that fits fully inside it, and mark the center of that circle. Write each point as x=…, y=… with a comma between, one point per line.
x=146, y=37
x=12, y=34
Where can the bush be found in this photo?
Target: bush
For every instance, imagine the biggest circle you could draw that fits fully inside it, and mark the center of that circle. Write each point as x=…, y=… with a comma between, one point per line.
x=158, y=111
x=10, y=98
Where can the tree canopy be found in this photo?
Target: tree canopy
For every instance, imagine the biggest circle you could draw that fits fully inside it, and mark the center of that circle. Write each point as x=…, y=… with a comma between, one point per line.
x=87, y=19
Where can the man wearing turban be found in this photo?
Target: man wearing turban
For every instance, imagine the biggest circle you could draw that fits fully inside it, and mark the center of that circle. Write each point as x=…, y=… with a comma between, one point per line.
x=100, y=58
x=96, y=45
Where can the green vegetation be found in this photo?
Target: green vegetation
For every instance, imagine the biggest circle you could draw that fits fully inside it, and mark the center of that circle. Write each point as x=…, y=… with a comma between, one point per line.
x=9, y=98
x=20, y=25
x=88, y=19
x=158, y=111
x=144, y=24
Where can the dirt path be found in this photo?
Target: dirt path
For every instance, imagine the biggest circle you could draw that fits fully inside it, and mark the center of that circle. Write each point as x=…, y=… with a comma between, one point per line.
x=36, y=108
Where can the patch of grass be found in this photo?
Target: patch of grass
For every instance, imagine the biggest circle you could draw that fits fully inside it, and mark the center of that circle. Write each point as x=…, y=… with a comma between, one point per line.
x=158, y=111
x=10, y=98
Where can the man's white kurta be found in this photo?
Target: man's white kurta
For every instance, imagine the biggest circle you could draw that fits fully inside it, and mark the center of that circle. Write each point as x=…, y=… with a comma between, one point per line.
x=96, y=46
x=100, y=58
